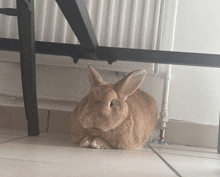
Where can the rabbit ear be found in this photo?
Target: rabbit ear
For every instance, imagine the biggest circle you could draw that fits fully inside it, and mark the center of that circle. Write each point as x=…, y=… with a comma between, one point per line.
x=130, y=83
x=94, y=77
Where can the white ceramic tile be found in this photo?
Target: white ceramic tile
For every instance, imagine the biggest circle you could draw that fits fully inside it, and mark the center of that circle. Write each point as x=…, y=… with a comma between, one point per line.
x=10, y=134
x=59, y=121
x=186, y=151
x=55, y=153
x=14, y=118
x=193, y=166
x=48, y=139
x=189, y=133
x=181, y=147
x=16, y=168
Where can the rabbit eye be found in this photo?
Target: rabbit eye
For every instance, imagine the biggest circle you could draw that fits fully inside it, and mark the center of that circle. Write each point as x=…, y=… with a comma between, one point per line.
x=112, y=103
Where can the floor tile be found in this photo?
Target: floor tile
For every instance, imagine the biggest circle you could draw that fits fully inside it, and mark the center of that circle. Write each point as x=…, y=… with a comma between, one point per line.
x=190, y=161
x=15, y=168
x=10, y=134
x=54, y=154
x=193, y=166
x=186, y=150
x=181, y=147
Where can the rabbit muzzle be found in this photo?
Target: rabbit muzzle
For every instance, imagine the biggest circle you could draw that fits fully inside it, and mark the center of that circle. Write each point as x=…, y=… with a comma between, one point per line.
x=93, y=121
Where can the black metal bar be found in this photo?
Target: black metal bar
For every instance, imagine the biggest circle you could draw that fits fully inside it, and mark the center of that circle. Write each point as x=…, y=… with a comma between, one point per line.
x=27, y=3
x=78, y=18
x=8, y=11
x=27, y=60
x=156, y=56
x=123, y=54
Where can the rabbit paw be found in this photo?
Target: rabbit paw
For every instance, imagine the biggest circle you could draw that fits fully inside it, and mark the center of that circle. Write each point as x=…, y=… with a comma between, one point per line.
x=85, y=142
x=98, y=143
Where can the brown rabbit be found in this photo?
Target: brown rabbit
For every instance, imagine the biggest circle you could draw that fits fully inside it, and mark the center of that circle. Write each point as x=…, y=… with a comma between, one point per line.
x=114, y=115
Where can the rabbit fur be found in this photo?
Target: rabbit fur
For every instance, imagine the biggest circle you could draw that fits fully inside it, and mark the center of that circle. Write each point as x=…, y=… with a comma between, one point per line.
x=114, y=115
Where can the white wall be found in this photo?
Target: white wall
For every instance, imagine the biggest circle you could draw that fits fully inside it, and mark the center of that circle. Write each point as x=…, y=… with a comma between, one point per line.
x=61, y=83
x=195, y=91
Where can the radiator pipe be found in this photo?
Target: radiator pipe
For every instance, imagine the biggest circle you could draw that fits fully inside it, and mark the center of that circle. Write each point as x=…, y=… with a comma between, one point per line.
x=164, y=108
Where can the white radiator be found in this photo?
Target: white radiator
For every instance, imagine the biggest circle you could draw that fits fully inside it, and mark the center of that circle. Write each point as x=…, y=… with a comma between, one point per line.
x=143, y=24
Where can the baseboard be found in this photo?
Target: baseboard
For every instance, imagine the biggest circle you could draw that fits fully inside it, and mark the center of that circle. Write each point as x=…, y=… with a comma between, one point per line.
x=43, y=103
x=193, y=134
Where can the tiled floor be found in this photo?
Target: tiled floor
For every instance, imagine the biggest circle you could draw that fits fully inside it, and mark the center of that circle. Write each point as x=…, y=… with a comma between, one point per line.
x=54, y=155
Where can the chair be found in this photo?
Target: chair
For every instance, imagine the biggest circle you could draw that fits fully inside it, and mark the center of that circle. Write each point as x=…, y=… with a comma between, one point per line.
x=25, y=16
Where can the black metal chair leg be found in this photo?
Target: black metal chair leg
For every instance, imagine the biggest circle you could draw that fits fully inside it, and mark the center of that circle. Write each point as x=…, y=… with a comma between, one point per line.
x=27, y=61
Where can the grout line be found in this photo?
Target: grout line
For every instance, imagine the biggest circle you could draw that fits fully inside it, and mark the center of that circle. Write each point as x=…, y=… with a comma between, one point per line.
x=13, y=140
x=34, y=161
x=165, y=161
